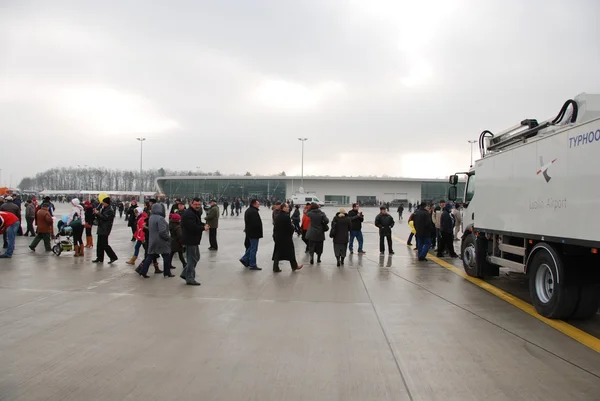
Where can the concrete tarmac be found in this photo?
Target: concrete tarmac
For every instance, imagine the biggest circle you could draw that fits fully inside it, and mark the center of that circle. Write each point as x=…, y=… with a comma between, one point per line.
x=380, y=328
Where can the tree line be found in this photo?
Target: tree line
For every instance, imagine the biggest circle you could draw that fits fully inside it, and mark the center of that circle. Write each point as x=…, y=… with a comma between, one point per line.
x=78, y=178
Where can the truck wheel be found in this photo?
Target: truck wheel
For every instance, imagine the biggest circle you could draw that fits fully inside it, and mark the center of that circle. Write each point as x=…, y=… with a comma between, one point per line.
x=552, y=294
x=468, y=256
x=588, y=303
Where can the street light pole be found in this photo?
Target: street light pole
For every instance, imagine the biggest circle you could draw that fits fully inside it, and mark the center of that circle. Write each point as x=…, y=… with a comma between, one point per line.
x=302, y=165
x=472, y=142
x=141, y=139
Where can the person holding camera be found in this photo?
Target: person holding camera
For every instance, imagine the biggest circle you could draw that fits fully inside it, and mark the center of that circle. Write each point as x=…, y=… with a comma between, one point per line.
x=356, y=217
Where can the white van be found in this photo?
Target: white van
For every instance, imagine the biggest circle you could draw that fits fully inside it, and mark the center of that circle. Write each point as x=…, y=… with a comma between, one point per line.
x=303, y=199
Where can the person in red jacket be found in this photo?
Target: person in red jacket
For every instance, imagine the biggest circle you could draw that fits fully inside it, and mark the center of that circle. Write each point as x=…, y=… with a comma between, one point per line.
x=305, y=225
x=9, y=224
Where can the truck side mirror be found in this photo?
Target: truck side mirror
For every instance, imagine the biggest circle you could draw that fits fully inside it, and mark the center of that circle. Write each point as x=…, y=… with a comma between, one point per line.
x=452, y=193
x=453, y=179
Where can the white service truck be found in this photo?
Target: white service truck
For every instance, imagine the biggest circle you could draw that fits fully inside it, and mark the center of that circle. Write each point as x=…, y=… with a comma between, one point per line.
x=532, y=205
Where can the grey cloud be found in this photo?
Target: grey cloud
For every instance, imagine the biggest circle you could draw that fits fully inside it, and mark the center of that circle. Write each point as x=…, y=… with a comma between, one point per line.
x=199, y=63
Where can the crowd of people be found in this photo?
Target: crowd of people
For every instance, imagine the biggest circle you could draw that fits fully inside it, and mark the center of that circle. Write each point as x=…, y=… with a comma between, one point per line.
x=162, y=235
x=435, y=227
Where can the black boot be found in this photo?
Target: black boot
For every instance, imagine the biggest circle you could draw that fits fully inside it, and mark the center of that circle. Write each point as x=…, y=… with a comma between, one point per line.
x=342, y=260
x=337, y=258
x=318, y=258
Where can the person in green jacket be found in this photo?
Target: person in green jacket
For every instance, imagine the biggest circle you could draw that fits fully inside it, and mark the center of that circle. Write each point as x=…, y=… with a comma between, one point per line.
x=212, y=219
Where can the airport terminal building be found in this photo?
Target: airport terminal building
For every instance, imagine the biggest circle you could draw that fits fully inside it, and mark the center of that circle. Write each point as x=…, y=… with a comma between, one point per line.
x=336, y=190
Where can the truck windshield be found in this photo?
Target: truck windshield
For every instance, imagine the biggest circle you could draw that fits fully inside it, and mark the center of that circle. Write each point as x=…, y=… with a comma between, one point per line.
x=470, y=191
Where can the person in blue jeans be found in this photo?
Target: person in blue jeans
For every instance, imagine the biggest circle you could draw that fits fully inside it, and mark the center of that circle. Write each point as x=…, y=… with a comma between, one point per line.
x=254, y=232
x=424, y=227
x=9, y=224
x=356, y=218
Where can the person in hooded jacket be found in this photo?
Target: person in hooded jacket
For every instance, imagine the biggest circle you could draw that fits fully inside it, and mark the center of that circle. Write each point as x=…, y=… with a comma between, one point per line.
x=140, y=235
x=176, y=238
x=341, y=226
x=159, y=242
x=446, y=233
x=76, y=218
x=316, y=232
x=296, y=220
x=147, y=211
x=283, y=235
x=89, y=222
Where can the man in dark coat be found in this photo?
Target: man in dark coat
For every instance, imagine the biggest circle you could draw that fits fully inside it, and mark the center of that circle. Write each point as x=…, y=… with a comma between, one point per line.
x=212, y=219
x=356, y=217
x=254, y=232
x=400, y=211
x=341, y=226
x=159, y=242
x=424, y=228
x=384, y=221
x=446, y=233
x=191, y=230
x=316, y=232
x=283, y=235
x=132, y=219
x=105, y=216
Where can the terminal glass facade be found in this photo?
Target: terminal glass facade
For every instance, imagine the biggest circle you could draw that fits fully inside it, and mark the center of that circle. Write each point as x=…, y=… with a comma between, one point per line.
x=225, y=188
x=436, y=191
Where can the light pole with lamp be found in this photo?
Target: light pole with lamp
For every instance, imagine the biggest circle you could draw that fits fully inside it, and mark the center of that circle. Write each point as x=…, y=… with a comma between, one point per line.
x=302, y=165
x=472, y=142
x=141, y=139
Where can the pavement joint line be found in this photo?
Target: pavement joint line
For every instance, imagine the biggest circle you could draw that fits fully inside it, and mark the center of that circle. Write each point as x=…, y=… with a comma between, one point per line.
x=387, y=338
x=573, y=332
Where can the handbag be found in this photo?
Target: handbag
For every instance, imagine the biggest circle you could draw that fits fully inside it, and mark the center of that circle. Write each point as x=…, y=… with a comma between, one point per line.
x=332, y=232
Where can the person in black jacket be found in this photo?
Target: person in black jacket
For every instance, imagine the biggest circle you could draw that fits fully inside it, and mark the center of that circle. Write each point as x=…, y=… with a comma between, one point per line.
x=424, y=228
x=447, y=233
x=296, y=220
x=191, y=230
x=283, y=236
x=384, y=221
x=132, y=219
x=341, y=226
x=357, y=219
x=105, y=216
x=254, y=232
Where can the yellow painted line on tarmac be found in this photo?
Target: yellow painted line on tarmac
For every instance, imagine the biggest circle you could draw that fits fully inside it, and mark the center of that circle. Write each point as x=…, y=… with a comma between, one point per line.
x=576, y=334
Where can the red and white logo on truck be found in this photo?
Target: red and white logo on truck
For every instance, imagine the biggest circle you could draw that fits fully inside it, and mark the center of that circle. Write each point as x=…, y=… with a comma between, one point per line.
x=544, y=168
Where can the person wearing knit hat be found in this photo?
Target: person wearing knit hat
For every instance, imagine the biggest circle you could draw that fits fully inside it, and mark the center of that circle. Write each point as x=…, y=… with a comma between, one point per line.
x=176, y=237
x=340, y=233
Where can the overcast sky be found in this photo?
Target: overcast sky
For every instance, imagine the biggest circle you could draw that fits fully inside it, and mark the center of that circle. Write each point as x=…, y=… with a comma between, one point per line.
x=378, y=87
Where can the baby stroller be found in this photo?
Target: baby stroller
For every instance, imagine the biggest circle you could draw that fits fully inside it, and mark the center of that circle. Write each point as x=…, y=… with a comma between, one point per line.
x=63, y=241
